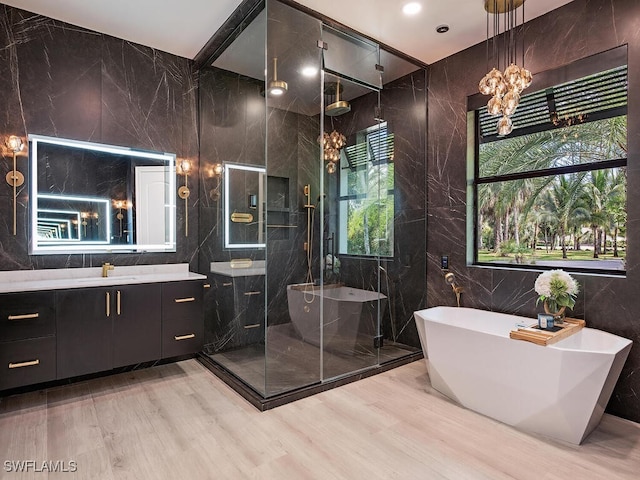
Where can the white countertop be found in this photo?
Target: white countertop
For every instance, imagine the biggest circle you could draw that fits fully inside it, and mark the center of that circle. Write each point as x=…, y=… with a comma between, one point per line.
x=62, y=278
x=256, y=267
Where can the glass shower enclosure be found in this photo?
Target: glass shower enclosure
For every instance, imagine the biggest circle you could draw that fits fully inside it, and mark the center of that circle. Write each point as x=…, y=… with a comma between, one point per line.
x=297, y=203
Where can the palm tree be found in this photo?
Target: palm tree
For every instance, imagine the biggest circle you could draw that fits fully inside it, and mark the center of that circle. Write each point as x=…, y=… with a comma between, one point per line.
x=605, y=190
x=563, y=200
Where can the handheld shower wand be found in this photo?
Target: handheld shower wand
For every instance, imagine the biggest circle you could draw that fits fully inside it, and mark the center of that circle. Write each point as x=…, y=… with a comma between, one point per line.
x=450, y=279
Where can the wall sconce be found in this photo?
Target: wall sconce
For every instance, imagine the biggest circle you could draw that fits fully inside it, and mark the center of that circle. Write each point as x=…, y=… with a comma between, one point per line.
x=184, y=192
x=216, y=172
x=120, y=205
x=90, y=219
x=14, y=178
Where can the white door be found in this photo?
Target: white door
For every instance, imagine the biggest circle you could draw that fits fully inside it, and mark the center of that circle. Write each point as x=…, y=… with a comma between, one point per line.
x=151, y=186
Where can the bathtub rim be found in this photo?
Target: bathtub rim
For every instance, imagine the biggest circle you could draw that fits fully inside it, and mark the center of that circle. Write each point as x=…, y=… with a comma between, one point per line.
x=563, y=344
x=318, y=289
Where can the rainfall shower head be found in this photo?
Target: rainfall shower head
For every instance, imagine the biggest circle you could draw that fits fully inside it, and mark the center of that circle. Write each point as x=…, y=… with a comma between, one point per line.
x=339, y=107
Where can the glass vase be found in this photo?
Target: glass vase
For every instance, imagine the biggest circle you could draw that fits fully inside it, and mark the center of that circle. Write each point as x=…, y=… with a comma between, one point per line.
x=552, y=308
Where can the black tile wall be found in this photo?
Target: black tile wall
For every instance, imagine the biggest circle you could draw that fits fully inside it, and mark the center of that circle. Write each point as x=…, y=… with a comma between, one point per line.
x=64, y=81
x=576, y=30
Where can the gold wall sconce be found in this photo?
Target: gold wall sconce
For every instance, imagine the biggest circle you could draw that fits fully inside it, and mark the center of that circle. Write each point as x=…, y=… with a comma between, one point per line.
x=215, y=171
x=90, y=219
x=184, y=192
x=14, y=178
x=121, y=205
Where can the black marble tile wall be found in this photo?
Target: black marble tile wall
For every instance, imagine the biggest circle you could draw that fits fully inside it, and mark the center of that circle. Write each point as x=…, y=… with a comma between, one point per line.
x=65, y=81
x=574, y=31
x=293, y=153
x=403, y=103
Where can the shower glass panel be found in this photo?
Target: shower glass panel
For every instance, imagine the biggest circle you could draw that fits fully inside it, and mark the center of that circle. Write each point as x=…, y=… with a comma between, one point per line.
x=310, y=301
x=351, y=56
x=293, y=198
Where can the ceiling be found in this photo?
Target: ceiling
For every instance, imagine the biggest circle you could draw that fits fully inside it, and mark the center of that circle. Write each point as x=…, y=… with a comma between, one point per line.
x=183, y=32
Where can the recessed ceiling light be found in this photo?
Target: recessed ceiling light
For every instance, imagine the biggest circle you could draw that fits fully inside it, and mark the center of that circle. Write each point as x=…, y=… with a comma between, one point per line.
x=309, y=71
x=411, y=8
x=442, y=28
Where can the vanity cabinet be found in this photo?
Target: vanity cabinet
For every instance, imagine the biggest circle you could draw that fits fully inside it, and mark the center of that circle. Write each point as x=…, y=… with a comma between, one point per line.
x=62, y=323
x=240, y=307
x=104, y=328
x=182, y=318
x=27, y=338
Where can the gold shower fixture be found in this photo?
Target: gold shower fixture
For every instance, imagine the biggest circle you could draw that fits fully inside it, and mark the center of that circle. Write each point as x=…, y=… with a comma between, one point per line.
x=14, y=178
x=184, y=192
x=338, y=107
x=276, y=87
x=450, y=279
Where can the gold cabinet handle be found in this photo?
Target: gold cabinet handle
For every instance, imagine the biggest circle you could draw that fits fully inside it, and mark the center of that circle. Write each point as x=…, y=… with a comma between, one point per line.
x=248, y=294
x=184, y=300
x=206, y=285
x=255, y=325
x=26, y=316
x=185, y=337
x=30, y=363
x=118, y=302
x=108, y=303
x=227, y=284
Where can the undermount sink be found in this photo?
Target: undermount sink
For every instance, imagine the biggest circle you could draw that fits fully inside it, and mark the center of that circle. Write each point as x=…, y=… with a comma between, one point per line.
x=105, y=279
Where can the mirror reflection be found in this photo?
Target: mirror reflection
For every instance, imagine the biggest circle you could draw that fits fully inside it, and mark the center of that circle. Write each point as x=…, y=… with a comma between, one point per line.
x=90, y=197
x=244, y=189
x=77, y=219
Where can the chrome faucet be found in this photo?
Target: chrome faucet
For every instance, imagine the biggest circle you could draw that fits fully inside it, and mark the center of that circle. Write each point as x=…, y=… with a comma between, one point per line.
x=105, y=269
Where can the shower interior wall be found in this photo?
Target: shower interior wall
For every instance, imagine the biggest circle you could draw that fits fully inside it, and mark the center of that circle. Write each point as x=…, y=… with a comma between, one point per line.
x=239, y=124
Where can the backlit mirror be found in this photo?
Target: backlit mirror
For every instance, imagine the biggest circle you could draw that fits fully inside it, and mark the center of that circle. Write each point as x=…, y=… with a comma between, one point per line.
x=244, y=189
x=90, y=197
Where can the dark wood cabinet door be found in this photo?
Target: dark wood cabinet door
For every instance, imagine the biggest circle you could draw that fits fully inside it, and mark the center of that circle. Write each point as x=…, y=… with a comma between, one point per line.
x=182, y=318
x=24, y=362
x=137, y=314
x=27, y=315
x=84, y=331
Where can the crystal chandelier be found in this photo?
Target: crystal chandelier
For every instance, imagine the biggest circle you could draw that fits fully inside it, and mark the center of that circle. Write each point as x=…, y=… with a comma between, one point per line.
x=332, y=143
x=505, y=86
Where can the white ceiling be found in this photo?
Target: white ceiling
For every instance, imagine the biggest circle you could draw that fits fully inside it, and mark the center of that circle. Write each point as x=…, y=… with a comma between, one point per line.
x=183, y=27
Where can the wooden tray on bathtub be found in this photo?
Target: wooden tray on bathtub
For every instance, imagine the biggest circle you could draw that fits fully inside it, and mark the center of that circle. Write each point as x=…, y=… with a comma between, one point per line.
x=545, y=337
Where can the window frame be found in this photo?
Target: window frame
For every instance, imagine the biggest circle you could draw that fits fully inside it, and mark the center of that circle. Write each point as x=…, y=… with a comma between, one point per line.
x=343, y=225
x=594, y=64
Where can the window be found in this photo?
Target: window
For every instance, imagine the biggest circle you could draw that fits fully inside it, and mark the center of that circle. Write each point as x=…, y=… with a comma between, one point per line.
x=366, y=194
x=553, y=193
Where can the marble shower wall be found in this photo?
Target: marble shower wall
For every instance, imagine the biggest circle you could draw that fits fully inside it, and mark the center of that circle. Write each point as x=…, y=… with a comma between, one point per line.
x=574, y=31
x=404, y=107
x=64, y=81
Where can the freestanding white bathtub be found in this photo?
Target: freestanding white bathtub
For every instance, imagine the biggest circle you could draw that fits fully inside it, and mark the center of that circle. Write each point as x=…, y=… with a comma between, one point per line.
x=559, y=390
x=350, y=315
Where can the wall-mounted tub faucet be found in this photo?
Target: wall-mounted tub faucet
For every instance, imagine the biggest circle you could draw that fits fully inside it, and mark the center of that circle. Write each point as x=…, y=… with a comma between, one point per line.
x=450, y=278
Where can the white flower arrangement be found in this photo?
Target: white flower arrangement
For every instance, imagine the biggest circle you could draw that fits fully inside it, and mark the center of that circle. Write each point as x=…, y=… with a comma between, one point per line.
x=557, y=288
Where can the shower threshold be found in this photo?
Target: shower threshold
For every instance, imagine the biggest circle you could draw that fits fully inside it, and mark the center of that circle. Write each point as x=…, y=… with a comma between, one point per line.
x=263, y=403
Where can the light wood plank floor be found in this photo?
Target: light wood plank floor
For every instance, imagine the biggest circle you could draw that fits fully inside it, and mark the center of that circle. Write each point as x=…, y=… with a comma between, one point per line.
x=178, y=421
